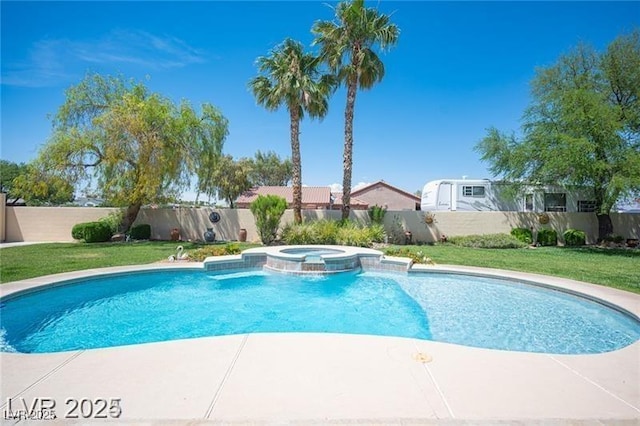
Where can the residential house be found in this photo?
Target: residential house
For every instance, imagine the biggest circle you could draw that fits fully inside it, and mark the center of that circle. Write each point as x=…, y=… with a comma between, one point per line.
x=313, y=197
x=388, y=196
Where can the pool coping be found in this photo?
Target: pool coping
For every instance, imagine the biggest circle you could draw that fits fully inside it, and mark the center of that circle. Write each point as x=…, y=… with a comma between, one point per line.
x=335, y=378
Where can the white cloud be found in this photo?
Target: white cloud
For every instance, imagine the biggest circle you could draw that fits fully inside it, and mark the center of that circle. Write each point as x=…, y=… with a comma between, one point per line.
x=336, y=187
x=49, y=61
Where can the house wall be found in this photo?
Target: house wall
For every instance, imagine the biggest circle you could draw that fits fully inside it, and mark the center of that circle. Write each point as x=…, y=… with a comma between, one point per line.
x=55, y=223
x=383, y=196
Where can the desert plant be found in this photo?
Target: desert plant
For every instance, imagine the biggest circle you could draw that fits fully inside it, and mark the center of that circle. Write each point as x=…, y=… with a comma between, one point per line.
x=97, y=232
x=268, y=210
x=376, y=214
x=547, y=237
x=574, y=237
x=523, y=234
x=140, y=232
x=487, y=241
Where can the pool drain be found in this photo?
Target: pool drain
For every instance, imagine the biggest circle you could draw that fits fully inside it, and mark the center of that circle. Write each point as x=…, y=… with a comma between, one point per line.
x=422, y=357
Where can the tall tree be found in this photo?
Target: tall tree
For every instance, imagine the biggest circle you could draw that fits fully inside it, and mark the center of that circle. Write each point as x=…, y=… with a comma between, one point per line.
x=36, y=186
x=138, y=145
x=230, y=179
x=8, y=172
x=581, y=129
x=348, y=46
x=267, y=169
x=290, y=77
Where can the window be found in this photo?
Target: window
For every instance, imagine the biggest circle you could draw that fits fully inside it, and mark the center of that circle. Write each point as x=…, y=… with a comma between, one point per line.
x=473, y=191
x=555, y=202
x=528, y=202
x=586, y=206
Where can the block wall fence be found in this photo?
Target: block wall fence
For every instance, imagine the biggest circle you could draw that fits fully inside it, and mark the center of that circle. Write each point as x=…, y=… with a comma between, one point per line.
x=19, y=224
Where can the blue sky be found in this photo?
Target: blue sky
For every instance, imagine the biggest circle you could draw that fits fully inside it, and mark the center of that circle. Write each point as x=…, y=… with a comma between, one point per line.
x=458, y=68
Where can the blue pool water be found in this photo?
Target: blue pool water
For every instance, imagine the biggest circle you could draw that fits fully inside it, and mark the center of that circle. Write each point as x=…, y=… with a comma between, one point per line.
x=160, y=306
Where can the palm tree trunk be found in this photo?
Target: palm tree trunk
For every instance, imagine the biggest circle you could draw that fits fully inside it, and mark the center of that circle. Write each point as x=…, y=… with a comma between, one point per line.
x=297, y=166
x=347, y=160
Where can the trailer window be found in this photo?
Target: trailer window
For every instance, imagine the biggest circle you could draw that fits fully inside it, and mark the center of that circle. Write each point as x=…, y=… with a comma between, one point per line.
x=585, y=206
x=473, y=191
x=555, y=202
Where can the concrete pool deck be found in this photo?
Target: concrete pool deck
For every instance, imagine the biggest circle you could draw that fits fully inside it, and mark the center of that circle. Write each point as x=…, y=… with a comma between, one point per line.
x=319, y=378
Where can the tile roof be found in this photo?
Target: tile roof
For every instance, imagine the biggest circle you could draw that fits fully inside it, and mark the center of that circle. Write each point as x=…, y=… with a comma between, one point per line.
x=310, y=194
x=383, y=183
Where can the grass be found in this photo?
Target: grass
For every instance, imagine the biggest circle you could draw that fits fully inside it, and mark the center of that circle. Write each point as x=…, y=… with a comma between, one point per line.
x=616, y=268
x=22, y=262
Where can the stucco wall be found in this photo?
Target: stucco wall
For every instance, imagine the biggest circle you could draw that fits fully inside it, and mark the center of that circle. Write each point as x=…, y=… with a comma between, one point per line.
x=385, y=197
x=55, y=223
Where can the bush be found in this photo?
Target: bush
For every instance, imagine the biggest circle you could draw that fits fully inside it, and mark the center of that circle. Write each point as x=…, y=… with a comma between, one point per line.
x=614, y=238
x=574, y=237
x=499, y=241
x=416, y=256
x=202, y=253
x=376, y=214
x=113, y=220
x=77, y=232
x=523, y=234
x=547, y=237
x=333, y=232
x=97, y=232
x=268, y=210
x=140, y=232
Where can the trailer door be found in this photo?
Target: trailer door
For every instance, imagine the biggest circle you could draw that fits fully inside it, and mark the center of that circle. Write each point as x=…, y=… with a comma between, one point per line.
x=444, y=196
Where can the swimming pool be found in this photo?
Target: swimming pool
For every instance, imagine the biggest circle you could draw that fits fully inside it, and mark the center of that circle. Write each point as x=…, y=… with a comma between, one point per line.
x=167, y=305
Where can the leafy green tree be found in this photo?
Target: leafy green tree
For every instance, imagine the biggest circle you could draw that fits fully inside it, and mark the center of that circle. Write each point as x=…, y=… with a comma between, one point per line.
x=230, y=179
x=38, y=187
x=267, y=169
x=268, y=210
x=8, y=172
x=348, y=45
x=291, y=77
x=139, y=146
x=582, y=128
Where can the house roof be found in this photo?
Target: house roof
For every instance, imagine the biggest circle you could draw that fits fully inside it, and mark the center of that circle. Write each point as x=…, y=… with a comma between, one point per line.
x=337, y=200
x=310, y=194
x=385, y=184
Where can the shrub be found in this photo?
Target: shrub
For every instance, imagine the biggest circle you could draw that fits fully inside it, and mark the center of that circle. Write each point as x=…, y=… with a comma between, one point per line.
x=547, y=237
x=376, y=214
x=523, y=234
x=416, y=256
x=113, y=220
x=140, y=232
x=268, y=210
x=614, y=238
x=574, y=237
x=333, y=232
x=202, y=253
x=499, y=241
x=77, y=232
x=97, y=232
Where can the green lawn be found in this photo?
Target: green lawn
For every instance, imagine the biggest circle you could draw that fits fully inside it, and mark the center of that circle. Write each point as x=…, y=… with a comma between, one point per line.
x=618, y=268
x=22, y=262
x=611, y=267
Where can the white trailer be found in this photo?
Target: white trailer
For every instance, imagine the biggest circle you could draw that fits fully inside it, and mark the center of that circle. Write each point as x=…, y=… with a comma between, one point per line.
x=486, y=195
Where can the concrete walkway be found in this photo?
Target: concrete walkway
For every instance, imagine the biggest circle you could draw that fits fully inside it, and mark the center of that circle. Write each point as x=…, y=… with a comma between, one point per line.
x=319, y=378
x=329, y=377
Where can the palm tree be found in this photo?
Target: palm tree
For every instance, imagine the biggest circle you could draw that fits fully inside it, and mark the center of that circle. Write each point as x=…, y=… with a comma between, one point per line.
x=291, y=77
x=347, y=46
